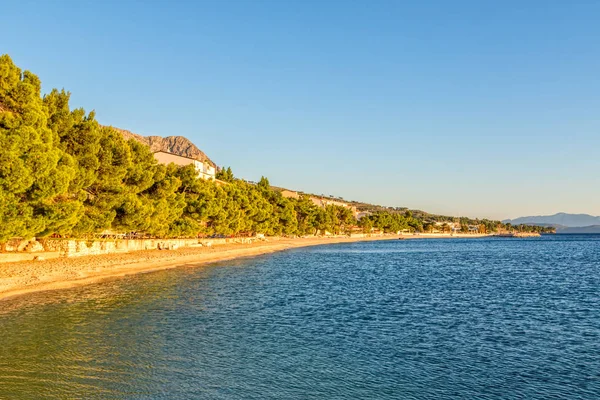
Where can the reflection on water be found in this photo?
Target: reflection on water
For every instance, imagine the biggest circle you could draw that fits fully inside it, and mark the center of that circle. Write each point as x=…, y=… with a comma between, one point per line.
x=88, y=342
x=383, y=320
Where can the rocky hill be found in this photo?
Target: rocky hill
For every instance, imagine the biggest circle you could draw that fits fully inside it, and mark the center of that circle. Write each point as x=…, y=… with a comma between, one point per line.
x=172, y=144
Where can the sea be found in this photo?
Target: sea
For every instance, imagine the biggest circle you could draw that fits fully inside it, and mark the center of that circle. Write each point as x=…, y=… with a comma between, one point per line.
x=488, y=318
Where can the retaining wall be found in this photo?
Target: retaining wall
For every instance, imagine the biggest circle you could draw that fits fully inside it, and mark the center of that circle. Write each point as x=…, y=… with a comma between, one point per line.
x=22, y=250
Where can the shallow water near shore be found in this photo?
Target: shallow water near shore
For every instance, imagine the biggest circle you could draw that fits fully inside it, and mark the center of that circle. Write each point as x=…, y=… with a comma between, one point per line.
x=416, y=319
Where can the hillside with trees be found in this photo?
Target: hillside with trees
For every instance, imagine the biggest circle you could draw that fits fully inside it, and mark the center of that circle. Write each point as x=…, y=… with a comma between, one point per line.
x=63, y=174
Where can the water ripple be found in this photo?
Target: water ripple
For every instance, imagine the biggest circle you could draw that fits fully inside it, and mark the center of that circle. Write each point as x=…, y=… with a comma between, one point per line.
x=434, y=319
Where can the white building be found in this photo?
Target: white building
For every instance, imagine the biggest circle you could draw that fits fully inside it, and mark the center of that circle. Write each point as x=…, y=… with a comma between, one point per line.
x=288, y=194
x=205, y=169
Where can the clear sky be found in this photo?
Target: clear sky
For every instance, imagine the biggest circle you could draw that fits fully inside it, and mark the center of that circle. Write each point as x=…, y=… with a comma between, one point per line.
x=478, y=108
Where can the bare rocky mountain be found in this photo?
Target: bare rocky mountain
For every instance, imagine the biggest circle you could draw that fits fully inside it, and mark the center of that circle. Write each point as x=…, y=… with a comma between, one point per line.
x=172, y=144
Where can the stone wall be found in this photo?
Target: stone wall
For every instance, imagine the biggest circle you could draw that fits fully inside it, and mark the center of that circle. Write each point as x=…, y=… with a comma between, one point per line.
x=75, y=248
x=19, y=250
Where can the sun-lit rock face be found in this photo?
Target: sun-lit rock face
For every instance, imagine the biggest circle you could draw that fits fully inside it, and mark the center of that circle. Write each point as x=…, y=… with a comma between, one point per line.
x=172, y=144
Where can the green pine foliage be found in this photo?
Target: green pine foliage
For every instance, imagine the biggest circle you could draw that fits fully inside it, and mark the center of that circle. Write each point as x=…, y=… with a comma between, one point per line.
x=62, y=173
x=35, y=174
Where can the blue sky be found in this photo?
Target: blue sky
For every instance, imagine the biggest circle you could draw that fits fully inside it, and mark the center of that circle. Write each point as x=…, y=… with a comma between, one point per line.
x=478, y=108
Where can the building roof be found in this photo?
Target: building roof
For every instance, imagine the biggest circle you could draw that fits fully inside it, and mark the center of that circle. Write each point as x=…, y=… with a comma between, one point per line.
x=178, y=155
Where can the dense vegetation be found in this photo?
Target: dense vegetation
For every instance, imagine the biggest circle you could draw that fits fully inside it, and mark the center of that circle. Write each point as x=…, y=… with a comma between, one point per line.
x=61, y=173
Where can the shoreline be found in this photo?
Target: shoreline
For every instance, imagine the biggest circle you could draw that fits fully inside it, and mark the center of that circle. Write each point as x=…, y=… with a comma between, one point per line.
x=24, y=277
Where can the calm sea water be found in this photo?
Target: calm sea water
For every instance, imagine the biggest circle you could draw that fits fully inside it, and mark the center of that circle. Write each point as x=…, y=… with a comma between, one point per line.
x=431, y=319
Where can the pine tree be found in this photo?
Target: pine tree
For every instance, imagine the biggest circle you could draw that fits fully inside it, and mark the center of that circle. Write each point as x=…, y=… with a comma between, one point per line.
x=34, y=173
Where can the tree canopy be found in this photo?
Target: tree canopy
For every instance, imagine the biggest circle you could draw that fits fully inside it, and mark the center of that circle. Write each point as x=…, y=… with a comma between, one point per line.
x=63, y=173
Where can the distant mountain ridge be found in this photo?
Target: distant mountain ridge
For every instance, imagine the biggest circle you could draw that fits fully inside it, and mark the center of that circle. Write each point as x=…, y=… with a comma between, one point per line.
x=172, y=144
x=580, y=229
x=559, y=220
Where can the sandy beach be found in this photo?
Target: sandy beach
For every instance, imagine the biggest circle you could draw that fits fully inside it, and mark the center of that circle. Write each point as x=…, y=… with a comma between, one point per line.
x=24, y=277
